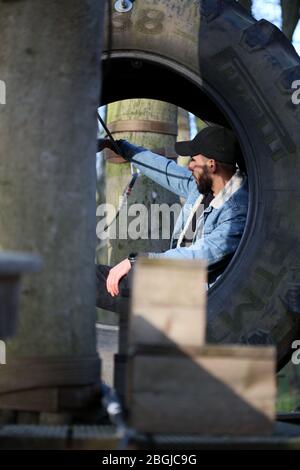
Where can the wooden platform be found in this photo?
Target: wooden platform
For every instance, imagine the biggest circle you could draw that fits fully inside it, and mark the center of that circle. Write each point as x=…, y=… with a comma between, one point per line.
x=32, y=437
x=37, y=437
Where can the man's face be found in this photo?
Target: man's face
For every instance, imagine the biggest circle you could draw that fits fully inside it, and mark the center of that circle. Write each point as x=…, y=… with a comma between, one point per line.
x=198, y=166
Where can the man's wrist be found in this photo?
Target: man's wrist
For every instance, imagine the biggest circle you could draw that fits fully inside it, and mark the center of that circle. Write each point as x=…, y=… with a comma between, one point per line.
x=132, y=257
x=129, y=150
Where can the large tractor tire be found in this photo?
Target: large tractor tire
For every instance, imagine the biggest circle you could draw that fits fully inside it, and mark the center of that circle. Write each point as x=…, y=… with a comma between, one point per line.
x=218, y=62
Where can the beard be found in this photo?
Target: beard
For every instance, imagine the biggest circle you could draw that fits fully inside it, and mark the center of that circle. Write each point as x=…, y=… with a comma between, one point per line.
x=204, y=184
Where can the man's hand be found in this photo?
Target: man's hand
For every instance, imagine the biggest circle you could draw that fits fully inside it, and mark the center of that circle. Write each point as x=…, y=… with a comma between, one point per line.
x=104, y=144
x=115, y=275
x=111, y=154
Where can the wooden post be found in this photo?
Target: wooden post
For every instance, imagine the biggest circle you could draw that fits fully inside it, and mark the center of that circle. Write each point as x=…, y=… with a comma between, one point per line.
x=176, y=383
x=50, y=61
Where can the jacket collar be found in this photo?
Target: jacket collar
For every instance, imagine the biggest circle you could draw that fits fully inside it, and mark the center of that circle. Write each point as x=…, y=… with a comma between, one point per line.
x=229, y=189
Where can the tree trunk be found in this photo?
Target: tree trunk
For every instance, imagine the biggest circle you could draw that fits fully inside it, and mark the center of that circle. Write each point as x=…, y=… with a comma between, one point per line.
x=183, y=132
x=290, y=16
x=145, y=191
x=200, y=124
x=50, y=62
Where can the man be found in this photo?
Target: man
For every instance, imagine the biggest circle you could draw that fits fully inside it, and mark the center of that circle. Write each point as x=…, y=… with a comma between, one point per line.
x=217, y=230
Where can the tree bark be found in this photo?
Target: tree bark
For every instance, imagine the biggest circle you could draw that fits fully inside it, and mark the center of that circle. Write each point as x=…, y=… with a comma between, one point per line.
x=50, y=62
x=145, y=191
x=183, y=132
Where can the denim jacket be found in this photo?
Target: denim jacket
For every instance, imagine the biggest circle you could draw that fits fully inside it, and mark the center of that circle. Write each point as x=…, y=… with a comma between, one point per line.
x=222, y=224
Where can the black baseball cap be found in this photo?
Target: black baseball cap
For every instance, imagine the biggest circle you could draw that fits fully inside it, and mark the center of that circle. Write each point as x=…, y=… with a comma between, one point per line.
x=214, y=142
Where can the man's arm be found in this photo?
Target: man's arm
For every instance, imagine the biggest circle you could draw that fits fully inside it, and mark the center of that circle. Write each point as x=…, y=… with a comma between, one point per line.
x=165, y=172
x=214, y=246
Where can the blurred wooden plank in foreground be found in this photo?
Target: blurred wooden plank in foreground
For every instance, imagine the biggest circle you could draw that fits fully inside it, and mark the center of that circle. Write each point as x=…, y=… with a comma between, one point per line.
x=176, y=383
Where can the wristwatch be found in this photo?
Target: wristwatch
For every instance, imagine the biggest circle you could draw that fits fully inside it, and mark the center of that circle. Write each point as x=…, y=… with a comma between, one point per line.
x=132, y=258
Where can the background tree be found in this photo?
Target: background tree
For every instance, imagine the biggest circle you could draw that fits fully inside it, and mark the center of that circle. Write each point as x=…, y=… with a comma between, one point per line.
x=290, y=16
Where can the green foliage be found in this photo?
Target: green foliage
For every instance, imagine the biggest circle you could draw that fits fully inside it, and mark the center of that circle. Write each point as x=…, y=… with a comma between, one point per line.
x=288, y=388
